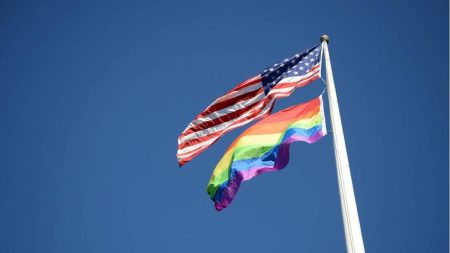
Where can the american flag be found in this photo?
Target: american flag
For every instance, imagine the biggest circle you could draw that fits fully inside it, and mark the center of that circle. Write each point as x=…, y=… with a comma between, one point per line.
x=250, y=100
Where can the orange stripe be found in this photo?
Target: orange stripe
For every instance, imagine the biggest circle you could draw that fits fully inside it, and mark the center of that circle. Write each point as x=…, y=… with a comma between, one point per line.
x=275, y=128
x=293, y=113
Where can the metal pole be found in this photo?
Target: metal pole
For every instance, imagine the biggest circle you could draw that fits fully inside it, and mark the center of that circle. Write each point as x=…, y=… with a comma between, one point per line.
x=352, y=228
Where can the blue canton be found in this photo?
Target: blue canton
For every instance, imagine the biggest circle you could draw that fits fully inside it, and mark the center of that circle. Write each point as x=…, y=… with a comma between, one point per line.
x=297, y=65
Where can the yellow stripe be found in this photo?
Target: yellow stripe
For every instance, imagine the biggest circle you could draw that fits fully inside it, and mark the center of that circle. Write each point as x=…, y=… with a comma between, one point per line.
x=259, y=139
x=221, y=171
x=307, y=123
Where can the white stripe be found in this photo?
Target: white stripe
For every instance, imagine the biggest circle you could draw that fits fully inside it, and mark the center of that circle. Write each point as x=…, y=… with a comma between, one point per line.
x=219, y=127
x=227, y=110
x=181, y=152
x=293, y=79
x=236, y=93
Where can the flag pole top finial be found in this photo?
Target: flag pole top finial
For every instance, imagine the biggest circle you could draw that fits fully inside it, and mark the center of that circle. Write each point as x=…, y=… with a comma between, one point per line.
x=325, y=38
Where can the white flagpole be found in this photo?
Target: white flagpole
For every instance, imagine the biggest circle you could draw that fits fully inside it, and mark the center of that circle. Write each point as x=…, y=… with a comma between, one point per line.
x=352, y=228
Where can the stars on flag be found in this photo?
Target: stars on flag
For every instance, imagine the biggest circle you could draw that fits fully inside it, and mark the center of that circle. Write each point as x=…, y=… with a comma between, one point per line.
x=298, y=65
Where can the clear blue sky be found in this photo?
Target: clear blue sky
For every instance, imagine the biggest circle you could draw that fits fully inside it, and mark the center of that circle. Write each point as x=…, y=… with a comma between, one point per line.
x=93, y=95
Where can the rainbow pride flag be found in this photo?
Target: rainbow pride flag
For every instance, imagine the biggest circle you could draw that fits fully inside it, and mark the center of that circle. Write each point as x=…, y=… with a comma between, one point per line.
x=265, y=147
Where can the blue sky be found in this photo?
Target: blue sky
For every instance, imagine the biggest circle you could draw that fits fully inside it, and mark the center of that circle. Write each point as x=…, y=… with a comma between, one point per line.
x=93, y=95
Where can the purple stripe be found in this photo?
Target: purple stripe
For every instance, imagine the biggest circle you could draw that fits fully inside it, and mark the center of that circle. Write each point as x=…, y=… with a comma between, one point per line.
x=230, y=188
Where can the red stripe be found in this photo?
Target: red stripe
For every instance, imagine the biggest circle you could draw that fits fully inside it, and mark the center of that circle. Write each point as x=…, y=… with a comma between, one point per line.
x=314, y=67
x=229, y=102
x=247, y=83
x=244, y=84
x=195, y=152
x=299, y=83
x=221, y=119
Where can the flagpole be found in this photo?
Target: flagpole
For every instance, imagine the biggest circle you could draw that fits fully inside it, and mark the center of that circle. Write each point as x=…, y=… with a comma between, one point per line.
x=352, y=228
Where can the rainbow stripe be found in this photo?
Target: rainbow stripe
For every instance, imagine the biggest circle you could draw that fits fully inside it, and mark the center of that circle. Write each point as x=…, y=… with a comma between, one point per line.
x=265, y=147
